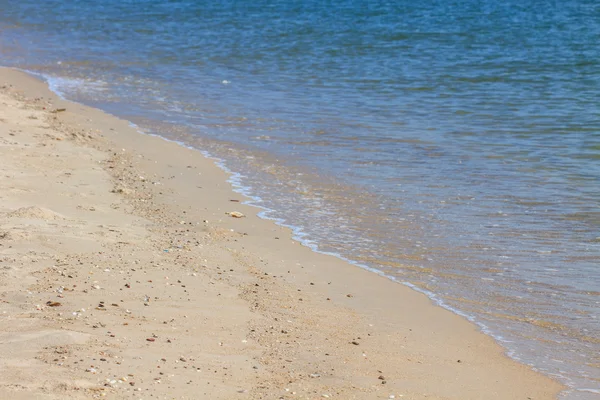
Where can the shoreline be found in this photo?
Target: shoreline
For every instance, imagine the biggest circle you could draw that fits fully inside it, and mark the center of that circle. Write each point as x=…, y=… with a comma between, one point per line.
x=416, y=343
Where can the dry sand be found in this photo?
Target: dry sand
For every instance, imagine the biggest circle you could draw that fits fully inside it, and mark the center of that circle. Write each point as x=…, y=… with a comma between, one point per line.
x=123, y=276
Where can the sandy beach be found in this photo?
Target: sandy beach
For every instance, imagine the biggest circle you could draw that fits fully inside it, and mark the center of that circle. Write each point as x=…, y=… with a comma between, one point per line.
x=131, y=270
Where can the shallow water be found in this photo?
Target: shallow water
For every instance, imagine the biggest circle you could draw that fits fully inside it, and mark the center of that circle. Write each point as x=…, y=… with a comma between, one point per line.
x=453, y=145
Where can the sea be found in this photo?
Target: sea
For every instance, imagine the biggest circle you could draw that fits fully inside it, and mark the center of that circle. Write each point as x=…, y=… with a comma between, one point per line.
x=450, y=145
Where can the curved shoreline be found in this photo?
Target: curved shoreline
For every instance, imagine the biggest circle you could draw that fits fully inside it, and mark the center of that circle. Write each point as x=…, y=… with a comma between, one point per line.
x=387, y=312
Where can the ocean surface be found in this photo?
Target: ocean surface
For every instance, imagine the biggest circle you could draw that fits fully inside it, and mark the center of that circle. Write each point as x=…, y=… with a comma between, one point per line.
x=453, y=145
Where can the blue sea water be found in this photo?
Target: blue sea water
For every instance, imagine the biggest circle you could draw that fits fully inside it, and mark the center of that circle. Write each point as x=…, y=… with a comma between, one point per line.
x=452, y=145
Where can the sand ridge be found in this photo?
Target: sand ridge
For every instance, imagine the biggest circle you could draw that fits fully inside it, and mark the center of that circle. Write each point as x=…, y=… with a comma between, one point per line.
x=123, y=274
x=34, y=212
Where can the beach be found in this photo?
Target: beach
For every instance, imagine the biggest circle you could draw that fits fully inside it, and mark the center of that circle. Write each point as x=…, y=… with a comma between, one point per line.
x=449, y=147
x=130, y=269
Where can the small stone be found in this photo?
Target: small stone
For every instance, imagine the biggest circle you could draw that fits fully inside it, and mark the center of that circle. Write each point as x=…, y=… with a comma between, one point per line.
x=150, y=339
x=235, y=214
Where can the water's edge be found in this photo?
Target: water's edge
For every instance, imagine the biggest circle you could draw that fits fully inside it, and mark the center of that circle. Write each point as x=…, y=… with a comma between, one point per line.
x=298, y=234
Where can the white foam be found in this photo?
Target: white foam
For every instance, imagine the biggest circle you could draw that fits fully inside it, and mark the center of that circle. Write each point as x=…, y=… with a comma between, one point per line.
x=597, y=391
x=62, y=85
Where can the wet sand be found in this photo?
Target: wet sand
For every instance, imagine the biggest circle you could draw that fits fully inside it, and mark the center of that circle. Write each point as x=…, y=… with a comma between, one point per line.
x=124, y=274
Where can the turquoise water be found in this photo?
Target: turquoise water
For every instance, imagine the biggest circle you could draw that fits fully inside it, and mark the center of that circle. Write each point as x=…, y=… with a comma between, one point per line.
x=452, y=145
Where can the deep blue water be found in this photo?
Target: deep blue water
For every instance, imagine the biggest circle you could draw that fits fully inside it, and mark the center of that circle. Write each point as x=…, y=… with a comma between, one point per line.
x=454, y=145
